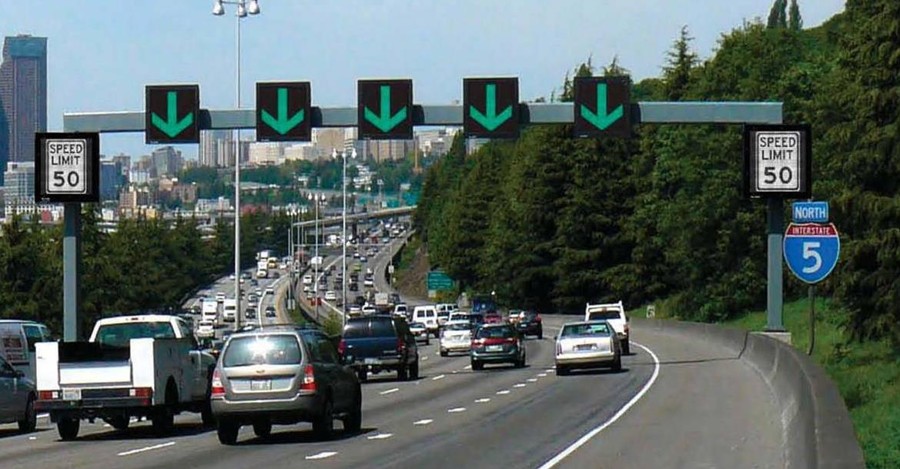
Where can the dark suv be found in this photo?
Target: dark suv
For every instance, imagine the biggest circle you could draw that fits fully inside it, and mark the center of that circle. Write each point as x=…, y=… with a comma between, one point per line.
x=530, y=323
x=283, y=375
x=380, y=342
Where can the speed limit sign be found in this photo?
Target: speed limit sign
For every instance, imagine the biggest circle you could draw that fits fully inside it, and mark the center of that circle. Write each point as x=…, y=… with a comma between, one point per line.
x=67, y=167
x=777, y=161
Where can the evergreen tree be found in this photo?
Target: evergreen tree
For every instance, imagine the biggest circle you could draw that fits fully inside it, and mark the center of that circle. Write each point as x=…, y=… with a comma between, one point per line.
x=681, y=62
x=795, y=21
x=778, y=15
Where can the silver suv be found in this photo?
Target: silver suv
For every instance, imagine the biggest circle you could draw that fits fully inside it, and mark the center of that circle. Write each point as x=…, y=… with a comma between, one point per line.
x=283, y=375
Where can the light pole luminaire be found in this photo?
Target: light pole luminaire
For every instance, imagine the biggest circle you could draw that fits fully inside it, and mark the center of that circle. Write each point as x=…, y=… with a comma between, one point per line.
x=244, y=7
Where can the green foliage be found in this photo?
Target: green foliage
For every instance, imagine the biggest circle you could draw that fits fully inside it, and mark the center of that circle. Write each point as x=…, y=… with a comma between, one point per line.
x=795, y=21
x=551, y=222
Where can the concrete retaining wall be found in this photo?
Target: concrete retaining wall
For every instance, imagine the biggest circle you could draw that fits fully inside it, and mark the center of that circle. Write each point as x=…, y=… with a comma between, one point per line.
x=818, y=432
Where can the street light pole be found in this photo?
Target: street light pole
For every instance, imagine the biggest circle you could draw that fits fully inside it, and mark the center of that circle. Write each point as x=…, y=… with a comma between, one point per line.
x=243, y=8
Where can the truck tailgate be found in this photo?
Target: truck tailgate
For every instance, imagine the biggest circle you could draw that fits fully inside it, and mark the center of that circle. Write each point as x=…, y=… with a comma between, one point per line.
x=371, y=347
x=90, y=365
x=95, y=373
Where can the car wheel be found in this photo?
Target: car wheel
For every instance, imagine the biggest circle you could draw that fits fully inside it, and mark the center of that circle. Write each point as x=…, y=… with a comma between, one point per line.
x=427, y=341
x=617, y=364
x=262, y=429
x=561, y=370
x=68, y=428
x=540, y=334
x=227, y=432
x=119, y=422
x=353, y=420
x=323, y=425
x=362, y=374
x=164, y=417
x=626, y=347
x=402, y=373
x=27, y=424
x=476, y=365
x=414, y=370
x=444, y=353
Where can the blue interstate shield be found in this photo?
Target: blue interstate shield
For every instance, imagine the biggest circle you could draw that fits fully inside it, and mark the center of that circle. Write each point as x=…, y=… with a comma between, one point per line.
x=811, y=250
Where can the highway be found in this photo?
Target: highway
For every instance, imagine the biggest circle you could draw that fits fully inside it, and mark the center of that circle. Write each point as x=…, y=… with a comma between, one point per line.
x=676, y=403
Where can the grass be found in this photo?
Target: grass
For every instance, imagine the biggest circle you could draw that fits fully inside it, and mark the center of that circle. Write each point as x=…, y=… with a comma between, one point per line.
x=866, y=373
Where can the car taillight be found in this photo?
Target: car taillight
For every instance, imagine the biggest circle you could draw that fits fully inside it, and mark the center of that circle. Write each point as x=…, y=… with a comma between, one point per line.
x=48, y=395
x=537, y=318
x=511, y=340
x=309, y=379
x=400, y=345
x=342, y=346
x=216, y=387
x=144, y=393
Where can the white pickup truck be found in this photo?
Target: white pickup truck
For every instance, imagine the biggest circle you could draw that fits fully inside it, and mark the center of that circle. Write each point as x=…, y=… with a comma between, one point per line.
x=145, y=366
x=614, y=313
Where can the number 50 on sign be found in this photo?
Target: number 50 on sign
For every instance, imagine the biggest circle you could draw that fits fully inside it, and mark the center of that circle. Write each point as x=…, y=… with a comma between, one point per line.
x=67, y=167
x=777, y=161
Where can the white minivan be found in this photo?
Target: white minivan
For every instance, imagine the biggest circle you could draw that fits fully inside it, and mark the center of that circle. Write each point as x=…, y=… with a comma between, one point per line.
x=426, y=315
x=17, y=339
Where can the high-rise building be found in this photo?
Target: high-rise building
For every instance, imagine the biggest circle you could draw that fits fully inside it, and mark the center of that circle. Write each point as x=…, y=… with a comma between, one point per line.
x=166, y=161
x=23, y=96
x=111, y=179
x=214, y=146
x=18, y=187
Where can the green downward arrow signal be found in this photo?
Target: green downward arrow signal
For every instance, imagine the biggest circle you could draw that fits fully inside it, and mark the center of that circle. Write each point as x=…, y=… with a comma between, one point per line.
x=384, y=121
x=601, y=119
x=282, y=124
x=490, y=120
x=172, y=126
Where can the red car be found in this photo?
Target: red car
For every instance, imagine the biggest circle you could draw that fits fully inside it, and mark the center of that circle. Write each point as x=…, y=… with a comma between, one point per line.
x=492, y=317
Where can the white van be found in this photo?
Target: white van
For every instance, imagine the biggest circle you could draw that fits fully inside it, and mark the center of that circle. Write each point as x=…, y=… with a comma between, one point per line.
x=229, y=310
x=17, y=339
x=210, y=312
x=443, y=312
x=426, y=315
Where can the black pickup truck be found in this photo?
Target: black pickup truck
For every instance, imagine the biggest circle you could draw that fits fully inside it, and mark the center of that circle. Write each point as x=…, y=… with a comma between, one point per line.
x=376, y=343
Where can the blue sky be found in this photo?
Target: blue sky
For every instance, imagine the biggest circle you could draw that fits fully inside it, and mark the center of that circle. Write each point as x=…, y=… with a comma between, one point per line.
x=103, y=52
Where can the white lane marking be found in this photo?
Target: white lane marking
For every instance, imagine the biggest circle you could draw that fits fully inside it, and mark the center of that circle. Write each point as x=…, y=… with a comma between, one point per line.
x=551, y=369
x=425, y=357
x=520, y=385
x=381, y=436
x=542, y=375
x=147, y=448
x=505, y=391
x=467, y=367
x=455, y=371
x=531, y=380
x=587, y=437
x=456, y=410
x=437, y=354
x=423, y=422
x=438, y=377
x=32, y=438
x=384, y=393
x=482, y=400
x=42, y=416
x=322, y=455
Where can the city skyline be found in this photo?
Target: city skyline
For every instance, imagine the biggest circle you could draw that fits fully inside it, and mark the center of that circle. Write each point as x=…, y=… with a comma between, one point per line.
x=106, y=64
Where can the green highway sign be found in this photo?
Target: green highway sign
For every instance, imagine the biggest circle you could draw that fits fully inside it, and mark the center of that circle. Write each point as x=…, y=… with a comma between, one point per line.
x=384, y=109
x=438, y=280
x=172, y=114
x=602, y=106
x=491, y=107
x=283, y=112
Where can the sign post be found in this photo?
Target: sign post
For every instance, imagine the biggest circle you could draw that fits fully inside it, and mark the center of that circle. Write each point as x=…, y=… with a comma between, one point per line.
x=777, y=165
x=67, y=170
x=812, y=247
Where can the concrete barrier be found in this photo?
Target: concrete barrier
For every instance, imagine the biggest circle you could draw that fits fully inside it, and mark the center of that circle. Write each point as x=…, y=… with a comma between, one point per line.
x=818, y=432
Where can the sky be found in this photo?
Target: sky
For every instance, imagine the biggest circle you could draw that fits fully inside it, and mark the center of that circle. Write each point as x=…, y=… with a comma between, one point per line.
x=101, y=53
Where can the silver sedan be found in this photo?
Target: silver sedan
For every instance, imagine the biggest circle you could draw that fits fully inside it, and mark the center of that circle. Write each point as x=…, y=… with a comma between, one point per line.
x=587, y=344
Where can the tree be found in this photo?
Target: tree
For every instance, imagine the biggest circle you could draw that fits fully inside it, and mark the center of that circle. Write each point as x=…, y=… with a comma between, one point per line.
x=795, y=21
x=680, y=64
x=778, y=15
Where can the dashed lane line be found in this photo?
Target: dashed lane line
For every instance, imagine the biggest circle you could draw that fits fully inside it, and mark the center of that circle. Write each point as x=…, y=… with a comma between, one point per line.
x=423, y=422
x=531, y=380
x=389, y=391
x=503, y=392
x=381, y=436
x=438, y=377
x=147, y=448
x=456, y=410
x=482, y=400
x=322, y=455
x=520, y=385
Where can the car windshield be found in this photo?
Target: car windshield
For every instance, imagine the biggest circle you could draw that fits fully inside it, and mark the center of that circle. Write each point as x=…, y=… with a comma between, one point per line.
x=119, y=335
x=416, y=325
x=280, y=349
x=457, y=327
x=605, y=314
x=576, y=330
x=494, y=333
x=369, y=328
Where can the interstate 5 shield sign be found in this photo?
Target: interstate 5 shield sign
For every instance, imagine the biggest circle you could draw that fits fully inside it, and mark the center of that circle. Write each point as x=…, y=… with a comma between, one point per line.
x=811, y=250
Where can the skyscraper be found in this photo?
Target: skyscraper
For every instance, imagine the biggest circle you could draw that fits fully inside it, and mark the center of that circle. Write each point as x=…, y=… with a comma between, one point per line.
x=23, y=96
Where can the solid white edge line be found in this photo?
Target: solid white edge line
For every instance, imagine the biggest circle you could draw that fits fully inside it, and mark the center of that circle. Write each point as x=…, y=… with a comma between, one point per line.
x=148, y=448
x=587, y=437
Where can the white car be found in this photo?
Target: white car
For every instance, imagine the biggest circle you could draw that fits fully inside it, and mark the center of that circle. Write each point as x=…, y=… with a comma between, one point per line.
x=330, y=295
x=369, y=310
x=368, y=283
x=270, y=291
x=220, y=297
x=206, y=329
x=420, y=332
x=587, y=344
x=456, y=336
x=307, y=279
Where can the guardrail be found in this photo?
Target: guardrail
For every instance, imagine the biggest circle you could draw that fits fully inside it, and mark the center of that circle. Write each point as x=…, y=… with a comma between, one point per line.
x=817, y=425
